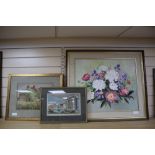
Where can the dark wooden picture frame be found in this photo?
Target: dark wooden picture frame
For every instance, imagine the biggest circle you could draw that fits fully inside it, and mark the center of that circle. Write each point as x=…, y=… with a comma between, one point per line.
x=67, y=98
x=153, y=70
x=1, y=84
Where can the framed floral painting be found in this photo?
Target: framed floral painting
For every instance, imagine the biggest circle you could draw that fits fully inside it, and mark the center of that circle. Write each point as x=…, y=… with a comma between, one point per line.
x=115, y=82
x=24, y=94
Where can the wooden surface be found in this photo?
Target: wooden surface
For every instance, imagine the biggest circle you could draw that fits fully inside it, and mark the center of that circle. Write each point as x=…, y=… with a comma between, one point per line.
x=141, y=124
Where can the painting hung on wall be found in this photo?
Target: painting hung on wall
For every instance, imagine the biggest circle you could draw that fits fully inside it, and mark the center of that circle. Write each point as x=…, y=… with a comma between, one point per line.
x=63, y=105
x=114, y=81
x=24, y=94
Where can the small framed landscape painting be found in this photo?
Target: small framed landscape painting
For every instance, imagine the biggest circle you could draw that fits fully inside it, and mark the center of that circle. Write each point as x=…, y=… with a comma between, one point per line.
x=63, y=105
x=115, y=82
x=24, y=94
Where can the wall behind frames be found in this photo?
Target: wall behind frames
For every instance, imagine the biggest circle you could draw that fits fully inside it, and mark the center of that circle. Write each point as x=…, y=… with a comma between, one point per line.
x=0, y=83
x=52, y=60
x=28, y=61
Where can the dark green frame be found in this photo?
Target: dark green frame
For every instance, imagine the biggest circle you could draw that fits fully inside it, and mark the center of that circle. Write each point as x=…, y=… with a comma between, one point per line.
x=64, y=119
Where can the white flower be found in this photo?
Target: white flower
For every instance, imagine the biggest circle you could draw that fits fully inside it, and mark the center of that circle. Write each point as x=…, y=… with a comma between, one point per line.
x=102, y=68
x=112, y=75
x=113, y=86
x=99, y=84
x=90, y=95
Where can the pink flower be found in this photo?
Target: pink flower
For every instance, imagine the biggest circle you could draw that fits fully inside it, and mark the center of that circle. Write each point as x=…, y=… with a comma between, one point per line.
x=128, y=82
x=111, y=97
x=101, y=75
x=124, y=91
x=86, y=77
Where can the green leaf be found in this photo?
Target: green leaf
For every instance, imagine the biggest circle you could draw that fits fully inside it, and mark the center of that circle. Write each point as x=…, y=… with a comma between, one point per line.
x=116, y=102
x=130, y=92
x=102, y=104
x=126, y=100
x=131, y=97
x=109, y=104
x=121, y=98
x=88, y=101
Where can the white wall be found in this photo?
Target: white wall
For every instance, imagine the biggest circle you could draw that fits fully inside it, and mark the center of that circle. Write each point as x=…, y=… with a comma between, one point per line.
x=49, y=60
x=149, y=65
x=28, y=61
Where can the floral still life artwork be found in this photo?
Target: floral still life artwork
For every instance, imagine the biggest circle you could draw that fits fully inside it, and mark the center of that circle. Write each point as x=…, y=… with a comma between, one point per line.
x=111, y=84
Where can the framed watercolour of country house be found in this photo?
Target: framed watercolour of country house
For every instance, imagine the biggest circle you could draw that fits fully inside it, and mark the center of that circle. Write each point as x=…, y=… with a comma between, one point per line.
x=24, y=94
x=115, y=82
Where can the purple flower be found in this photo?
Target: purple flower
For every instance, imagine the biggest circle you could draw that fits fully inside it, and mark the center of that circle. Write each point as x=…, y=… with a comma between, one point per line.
x=120, y=84
x=101, y=75
x=96, y=93
x=122, y=76
x=97, y=76
x=117, y=67
x=99, y=95
x=93, y=73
